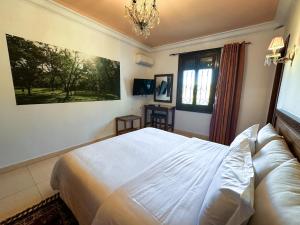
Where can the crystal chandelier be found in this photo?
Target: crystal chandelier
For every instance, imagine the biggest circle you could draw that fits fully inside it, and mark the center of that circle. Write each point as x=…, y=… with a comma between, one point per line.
x=143, y=15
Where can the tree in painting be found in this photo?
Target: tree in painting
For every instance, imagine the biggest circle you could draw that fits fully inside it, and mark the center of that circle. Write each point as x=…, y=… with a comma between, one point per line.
x=44, y=73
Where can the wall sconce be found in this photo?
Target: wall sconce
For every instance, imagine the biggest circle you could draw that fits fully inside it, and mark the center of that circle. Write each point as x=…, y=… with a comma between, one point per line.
x=277, y=43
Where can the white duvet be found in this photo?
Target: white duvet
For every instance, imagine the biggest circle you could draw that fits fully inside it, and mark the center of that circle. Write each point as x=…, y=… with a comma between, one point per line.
x=145, y=177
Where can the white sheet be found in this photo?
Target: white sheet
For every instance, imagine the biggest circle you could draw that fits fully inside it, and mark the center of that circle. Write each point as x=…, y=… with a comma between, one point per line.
x=171, y=191
x=87, y=176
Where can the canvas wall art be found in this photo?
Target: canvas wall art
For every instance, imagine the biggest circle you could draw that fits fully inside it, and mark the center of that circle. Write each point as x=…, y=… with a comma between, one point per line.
x=44, y=73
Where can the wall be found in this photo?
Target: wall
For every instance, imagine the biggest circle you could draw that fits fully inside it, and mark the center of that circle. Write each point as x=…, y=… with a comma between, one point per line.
x=30, y=131
x=257, y=84
x=27, y=132
x=289, y=97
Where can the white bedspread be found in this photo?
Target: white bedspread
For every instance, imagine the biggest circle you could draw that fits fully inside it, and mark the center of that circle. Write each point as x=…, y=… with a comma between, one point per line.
x=86, y=176
x=149, y=175
x=171, y=191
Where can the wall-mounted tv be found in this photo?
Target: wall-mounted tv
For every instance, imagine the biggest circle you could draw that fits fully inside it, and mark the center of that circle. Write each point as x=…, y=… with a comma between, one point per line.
x=143, y=87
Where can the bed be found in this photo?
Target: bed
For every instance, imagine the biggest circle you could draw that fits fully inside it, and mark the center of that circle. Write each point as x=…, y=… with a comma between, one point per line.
x=87, y=176
x=144, y=172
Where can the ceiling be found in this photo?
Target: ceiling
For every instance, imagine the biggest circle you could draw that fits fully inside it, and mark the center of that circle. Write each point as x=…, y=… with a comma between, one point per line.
x=180, y=20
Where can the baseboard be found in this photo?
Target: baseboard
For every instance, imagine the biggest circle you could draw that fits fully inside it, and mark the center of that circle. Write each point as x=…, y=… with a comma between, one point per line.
x=51, y=155
x=190, y=134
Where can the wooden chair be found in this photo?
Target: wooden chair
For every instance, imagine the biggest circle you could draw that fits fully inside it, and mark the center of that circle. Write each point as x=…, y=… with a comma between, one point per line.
x=159, y=120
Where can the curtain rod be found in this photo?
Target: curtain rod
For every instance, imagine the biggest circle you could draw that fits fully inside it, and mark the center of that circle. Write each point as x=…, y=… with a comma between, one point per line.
x=178, y=53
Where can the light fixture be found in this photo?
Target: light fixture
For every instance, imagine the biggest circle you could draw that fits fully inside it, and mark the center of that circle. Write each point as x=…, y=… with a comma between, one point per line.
x=277, y=43
x=143, y=15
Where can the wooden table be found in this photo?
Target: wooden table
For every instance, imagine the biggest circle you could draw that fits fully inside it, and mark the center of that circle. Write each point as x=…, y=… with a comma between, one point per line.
x=167, y=110
x=125, y=120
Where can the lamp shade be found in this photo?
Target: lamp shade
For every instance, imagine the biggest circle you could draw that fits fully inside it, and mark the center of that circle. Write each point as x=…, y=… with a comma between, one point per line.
x=276, y=43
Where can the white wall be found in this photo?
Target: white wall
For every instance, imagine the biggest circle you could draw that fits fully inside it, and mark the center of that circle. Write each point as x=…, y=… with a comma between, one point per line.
x=289, y=97
x=30, y=131
x=257, y=84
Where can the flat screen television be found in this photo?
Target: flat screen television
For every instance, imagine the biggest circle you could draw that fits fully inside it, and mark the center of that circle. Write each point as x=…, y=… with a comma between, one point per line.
x=143, y=87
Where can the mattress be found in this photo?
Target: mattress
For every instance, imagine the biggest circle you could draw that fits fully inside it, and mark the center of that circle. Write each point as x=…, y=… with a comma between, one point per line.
x=149, y=175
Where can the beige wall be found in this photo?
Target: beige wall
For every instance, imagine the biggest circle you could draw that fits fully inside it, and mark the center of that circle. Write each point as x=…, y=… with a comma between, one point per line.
x=257, y=85
x=289, y=97
x=30, y=131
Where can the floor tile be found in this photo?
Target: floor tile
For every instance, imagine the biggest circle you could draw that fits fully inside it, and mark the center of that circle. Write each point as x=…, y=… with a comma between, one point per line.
x=14, y=204
x=15, y=181
x=45, y=189
x=41, y=171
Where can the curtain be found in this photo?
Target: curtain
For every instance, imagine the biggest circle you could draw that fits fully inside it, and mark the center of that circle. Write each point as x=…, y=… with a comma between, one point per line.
x=228, y=94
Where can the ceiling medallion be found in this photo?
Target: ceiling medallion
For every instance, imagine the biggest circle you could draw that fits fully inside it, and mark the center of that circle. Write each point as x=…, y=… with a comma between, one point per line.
x=143, y=15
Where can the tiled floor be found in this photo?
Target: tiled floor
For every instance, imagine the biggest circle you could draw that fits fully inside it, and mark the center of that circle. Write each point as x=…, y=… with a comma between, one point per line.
x=24, y=187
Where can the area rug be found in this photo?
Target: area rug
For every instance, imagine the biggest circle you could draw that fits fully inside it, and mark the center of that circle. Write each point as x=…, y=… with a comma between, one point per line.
x=52, y=211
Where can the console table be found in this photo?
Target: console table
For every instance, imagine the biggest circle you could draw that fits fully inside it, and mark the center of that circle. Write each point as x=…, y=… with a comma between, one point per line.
x=167, y=111
x=125, y=119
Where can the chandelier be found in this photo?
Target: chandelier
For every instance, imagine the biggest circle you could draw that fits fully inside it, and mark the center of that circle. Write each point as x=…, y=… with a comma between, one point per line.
x=143, y=15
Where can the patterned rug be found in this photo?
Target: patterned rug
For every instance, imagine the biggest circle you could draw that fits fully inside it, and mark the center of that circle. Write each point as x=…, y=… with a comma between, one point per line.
x=52, y=211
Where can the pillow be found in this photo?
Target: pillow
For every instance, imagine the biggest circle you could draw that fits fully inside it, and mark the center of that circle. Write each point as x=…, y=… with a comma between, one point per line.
x=265, y=135
x=229, y=199
x=269, y=157
x=277, y=197
x=251, y=134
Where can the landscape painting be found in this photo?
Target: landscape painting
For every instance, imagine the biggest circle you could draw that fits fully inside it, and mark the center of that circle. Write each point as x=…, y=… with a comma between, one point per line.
x=44, y=73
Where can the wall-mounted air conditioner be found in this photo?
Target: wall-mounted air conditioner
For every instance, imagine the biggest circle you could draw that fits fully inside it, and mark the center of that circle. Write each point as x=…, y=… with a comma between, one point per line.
x=143, y=60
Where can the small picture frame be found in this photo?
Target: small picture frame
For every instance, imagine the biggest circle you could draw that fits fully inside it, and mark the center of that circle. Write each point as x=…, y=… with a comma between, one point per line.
x=163, y=88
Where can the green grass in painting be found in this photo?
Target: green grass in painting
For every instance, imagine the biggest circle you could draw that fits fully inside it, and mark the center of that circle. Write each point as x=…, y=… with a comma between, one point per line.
x=45, y=95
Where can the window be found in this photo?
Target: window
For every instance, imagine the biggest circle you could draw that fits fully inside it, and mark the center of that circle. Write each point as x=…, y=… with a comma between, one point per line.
x=197, y=80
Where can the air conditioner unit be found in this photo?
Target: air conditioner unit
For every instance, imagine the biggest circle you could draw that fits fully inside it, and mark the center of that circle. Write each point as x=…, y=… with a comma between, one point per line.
x=143, y=60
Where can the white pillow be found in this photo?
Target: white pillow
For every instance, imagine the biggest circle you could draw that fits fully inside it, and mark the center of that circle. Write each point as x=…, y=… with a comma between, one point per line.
x=269, y=157
x=277, y=197
x=265, y=135
x=229, y=200
x=251, y=134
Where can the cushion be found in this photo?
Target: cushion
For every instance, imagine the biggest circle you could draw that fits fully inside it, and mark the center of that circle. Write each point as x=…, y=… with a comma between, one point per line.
x=277, y=197
x=265, y=135
x=269, y=157
x=251, y=134
x=229, y=199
